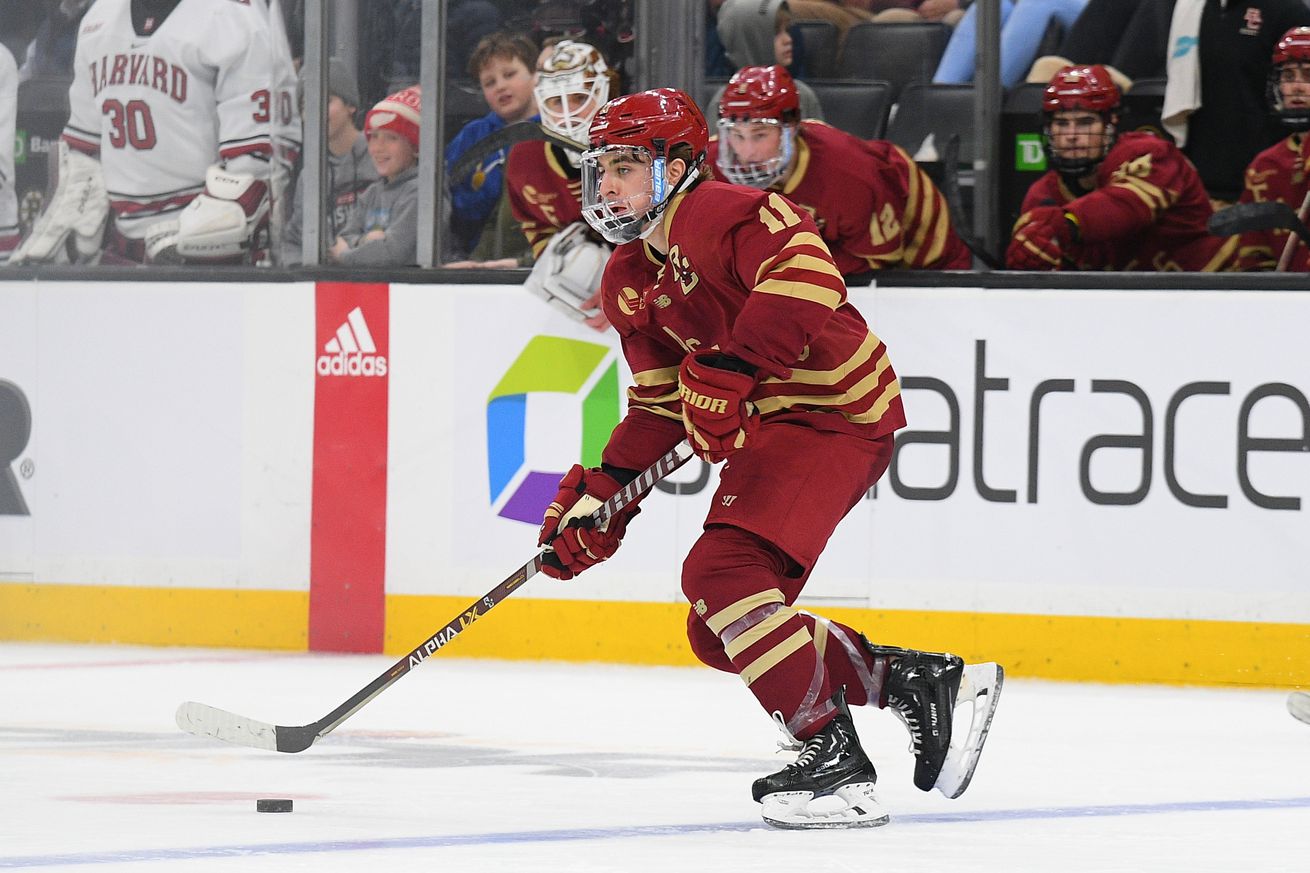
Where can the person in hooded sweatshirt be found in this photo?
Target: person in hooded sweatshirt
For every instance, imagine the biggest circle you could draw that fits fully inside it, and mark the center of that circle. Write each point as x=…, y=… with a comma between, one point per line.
x=754, y=34
x=383, y=226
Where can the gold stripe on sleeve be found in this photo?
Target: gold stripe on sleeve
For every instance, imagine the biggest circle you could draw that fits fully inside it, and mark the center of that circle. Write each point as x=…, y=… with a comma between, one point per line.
x=856, y=391
x=652, y=378
x=798, y=241
x=860, y=357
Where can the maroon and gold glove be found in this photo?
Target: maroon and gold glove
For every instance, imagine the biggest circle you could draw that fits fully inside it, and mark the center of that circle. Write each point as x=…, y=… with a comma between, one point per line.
x=1041, y=239
x=716, y=410
x=566, y=525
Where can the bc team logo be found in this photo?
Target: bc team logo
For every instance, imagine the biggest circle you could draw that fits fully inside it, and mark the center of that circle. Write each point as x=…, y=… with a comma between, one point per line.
x=547, y=365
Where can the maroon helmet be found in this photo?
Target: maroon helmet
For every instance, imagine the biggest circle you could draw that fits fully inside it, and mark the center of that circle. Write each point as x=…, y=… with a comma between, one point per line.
x=647, y=127
x=1086, y=88
x=749, y=153
x=1293, y=48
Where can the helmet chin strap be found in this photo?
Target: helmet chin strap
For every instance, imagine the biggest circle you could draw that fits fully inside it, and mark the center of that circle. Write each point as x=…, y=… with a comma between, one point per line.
x=690, y=176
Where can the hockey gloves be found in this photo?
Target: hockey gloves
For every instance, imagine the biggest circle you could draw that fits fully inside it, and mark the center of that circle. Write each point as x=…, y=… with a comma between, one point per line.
x=567, y=525
x=719, y=417
x=72, y=227
x=224, y=221
x=1041, y=239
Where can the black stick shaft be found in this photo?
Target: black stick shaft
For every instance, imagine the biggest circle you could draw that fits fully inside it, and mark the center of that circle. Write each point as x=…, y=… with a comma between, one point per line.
x=293, y=739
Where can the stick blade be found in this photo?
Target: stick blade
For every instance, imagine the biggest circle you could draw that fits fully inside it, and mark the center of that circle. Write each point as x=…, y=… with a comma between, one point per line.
x=208, y=721
x=1252, y=216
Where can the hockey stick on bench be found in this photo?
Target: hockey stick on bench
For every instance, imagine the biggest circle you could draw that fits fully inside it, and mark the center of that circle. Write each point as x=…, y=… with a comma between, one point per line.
x=208, y=721
x=1257, y=216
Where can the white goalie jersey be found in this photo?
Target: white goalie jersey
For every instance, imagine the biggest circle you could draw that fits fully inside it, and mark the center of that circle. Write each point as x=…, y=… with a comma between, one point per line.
x=213, y=84
x=8, y=121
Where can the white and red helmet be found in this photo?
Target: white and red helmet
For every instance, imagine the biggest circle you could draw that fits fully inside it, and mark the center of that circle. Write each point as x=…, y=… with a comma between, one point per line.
x=1293, y=48
x=758, y=95
x=573, y=83
x=649, y=127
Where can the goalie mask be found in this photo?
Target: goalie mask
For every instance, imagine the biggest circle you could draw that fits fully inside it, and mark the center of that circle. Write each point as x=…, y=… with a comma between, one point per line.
x=573, y=82
x=1080, y=113
x=758, y=115
x=1289, y=80
x=625, y=185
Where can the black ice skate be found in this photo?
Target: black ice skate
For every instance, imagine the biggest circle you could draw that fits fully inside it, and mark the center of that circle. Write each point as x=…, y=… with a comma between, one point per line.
x=929, y=691
x=829, y=786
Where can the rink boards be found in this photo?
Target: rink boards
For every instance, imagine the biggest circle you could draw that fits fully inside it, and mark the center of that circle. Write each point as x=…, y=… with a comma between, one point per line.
x=1105, y=485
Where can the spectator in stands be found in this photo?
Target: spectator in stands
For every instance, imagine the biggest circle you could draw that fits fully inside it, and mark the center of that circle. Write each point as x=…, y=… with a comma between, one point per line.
x=9, y=234
x=382, y=229
x=1279, y=173
x=1023, y=26
x=350, y=169
x=502, y=64
x=1215, y=106
x=183, y=159
x=754, y=33
x=1128, y=36
x=1110, y=201
x=875, y=207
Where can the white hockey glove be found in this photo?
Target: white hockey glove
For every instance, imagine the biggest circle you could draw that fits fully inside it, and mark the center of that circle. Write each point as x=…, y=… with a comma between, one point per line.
x=161, y=242
x=221, y=222
x=72, y=228
x=567, y=275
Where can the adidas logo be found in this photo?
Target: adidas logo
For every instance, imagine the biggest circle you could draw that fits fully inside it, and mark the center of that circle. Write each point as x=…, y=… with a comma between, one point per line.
x=352, y=351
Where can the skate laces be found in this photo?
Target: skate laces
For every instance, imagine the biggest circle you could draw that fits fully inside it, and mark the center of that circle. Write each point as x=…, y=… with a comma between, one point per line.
x=787, y=742
x=809, y=751
x=905, y=711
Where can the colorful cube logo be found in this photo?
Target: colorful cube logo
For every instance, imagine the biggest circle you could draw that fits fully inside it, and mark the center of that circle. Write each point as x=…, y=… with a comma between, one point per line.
x=548, y=364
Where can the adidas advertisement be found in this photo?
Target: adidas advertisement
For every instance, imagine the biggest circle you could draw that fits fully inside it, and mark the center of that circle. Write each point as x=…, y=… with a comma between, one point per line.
x=351, y=350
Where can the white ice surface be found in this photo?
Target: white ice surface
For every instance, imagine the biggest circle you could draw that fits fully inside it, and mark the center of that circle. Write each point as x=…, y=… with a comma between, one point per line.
x=498, y=766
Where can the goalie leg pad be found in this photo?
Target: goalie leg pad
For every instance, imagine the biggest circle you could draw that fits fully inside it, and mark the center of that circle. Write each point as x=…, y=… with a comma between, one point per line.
x=221, y=222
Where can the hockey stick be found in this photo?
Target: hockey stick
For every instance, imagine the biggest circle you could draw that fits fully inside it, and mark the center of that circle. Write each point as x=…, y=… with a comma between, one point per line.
x=523, y=131
x=1285, y=260
x=1257, y=216
x=208, y=721
x=951, y=189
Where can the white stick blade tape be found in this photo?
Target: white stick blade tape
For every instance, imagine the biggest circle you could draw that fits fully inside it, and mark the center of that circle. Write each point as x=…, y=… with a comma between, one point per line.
x=206, y=721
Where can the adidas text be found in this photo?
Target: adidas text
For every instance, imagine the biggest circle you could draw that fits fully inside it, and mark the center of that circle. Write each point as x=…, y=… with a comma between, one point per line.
x=352, y=364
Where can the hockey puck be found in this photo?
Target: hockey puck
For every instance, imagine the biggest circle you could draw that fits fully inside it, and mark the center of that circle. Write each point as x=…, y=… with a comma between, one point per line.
x=273, y=805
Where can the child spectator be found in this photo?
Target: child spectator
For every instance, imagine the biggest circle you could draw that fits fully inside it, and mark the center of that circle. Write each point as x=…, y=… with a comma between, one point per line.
x=502, y=64
x=349, y=171
x=754, y=33
x=383, y=225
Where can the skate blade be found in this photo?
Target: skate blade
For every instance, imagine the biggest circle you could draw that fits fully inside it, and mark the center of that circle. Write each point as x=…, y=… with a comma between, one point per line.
x=1298, y=704
x=980, y=690
x=851, y=806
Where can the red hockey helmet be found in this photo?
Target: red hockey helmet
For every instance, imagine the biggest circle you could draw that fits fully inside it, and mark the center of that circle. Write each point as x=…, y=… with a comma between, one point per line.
x=759, y=93
x=649, y=127
x=1087, y=87
x=1079, y=89
x=1293, y=50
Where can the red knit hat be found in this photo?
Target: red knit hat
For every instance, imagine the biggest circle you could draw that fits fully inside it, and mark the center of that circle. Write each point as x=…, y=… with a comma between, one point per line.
x=398, y=113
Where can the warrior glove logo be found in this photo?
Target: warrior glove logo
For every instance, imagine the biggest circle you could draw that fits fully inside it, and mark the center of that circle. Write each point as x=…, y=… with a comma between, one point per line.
x=15, y=429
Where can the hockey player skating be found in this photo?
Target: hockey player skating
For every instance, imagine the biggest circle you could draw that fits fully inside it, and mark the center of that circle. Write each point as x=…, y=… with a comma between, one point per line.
x=733, y=318
x=182, y=115
x=1278, y=174
x=875, y=207
x=1110, y=201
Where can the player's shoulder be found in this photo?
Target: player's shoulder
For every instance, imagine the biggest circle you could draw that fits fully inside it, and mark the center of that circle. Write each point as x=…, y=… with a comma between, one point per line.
x=1137, y=143
x=1283, y=153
